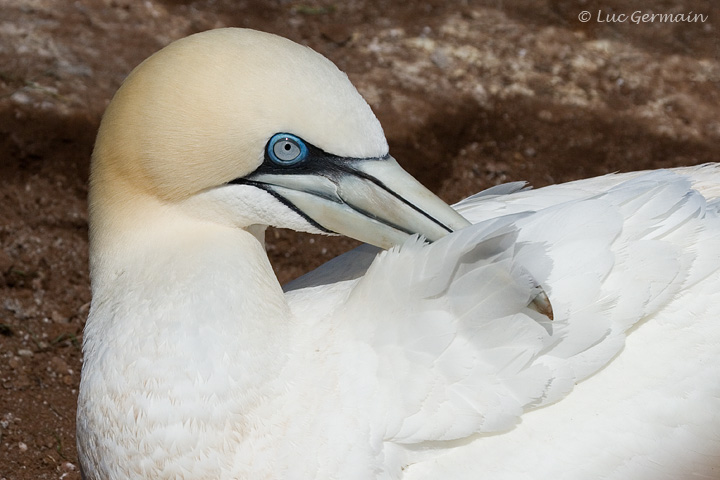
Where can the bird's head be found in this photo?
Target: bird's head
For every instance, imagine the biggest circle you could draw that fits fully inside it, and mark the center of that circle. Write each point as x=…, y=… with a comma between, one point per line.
x=248, y=128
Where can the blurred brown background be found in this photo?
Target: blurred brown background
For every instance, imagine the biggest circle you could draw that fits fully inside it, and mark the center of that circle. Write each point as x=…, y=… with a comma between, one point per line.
x=470, y=93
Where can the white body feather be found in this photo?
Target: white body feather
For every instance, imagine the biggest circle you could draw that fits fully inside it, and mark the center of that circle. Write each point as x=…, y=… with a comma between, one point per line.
x=428, y=365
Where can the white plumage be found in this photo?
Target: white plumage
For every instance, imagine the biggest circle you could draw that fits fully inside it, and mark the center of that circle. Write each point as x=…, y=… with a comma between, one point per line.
x=424, y=361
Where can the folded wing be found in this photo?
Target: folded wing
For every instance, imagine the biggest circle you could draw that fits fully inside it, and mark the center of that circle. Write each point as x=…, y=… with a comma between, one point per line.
x=458, y=351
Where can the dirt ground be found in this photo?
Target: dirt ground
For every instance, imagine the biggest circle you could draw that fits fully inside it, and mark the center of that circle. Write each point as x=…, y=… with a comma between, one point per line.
x=470, y=93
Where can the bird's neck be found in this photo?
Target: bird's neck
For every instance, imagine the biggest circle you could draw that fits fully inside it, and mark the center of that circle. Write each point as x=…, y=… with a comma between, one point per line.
x=185, y=316
x=171, y=275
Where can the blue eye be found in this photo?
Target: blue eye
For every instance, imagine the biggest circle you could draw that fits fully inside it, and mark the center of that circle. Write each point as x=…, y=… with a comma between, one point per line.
x=285, y=149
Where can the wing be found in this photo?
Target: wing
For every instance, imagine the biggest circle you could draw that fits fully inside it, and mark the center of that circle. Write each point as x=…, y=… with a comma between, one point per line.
x=457, y=350
x=453, y=335
x=434, y=344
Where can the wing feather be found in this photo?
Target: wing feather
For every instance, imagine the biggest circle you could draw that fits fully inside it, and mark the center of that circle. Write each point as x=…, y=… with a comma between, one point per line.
x=435, y=343
x=457, y=349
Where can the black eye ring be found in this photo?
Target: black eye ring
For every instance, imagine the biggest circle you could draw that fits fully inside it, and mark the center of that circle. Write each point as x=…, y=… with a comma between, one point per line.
x=285, y=149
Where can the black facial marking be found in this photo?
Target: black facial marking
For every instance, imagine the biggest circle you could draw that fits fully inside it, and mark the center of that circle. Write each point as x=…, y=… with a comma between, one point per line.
x=284, y=201
x=318, y=162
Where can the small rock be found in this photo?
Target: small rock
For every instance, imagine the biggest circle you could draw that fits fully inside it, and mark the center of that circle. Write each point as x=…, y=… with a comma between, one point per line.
x=85, y=308
x=21, y=97
x=24, y=352
x=337, y=34
x=440, y=59
x=6, y=420
x=22, y=381
x=58, y=317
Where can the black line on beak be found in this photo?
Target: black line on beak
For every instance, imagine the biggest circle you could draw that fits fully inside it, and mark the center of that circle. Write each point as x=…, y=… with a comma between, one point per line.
x=267, y=187
x=370, y=178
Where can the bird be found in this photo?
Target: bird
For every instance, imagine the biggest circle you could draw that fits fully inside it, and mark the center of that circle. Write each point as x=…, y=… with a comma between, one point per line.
x=566, y=332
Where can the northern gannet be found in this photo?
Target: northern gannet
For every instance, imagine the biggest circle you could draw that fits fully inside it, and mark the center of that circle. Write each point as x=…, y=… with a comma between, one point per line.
x=424, y=361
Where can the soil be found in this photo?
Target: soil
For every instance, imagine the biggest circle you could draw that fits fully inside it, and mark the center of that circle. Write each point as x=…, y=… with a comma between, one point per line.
x=470, y=93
